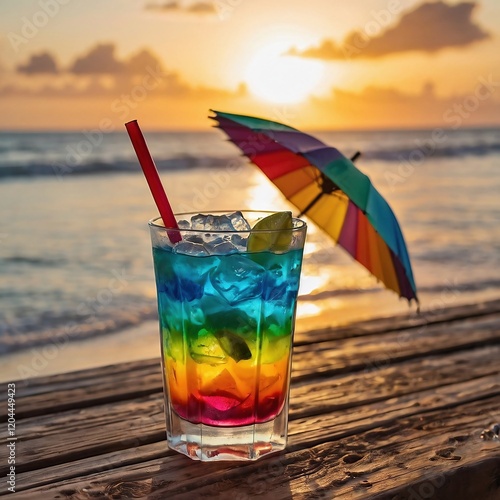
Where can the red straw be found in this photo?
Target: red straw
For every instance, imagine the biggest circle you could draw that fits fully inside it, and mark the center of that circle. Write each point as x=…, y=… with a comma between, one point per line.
x=151, y=173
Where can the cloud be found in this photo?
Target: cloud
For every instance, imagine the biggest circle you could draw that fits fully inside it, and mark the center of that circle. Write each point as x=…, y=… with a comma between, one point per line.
x=101, y=60
x=99, y=72
x=141, y=61
x=197, y=8
x=39, y=63
x=386, y=107
x=428, y=28
x=201, y=8
x=142, y=70
x=98, y=60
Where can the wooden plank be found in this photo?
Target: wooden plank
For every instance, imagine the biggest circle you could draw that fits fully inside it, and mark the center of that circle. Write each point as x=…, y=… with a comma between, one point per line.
x=427, y=449
x=327, y=358
x=81, y=378
x=371, y=351
x=86, y=388
x=99, y=463
x=436, y=314
x=319, y=410
x=75, y=434
x=372, y=385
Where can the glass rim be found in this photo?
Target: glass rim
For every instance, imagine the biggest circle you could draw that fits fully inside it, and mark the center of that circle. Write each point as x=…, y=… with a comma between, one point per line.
x=299, y=224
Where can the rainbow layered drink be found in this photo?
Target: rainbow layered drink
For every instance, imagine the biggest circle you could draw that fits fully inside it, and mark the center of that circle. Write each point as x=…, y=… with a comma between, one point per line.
x=226, y=299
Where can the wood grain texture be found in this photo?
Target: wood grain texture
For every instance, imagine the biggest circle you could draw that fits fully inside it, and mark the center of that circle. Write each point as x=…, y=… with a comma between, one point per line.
x=434, y=315
x=87, y=388
x=106, y=429
x=418, y=452
x=389, y=409
x=372, y=351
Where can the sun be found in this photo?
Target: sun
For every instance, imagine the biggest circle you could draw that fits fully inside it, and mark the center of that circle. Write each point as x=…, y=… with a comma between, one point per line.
x=273, y=76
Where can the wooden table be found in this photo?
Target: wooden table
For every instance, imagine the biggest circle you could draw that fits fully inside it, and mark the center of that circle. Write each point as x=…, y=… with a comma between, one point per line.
x=391, y=409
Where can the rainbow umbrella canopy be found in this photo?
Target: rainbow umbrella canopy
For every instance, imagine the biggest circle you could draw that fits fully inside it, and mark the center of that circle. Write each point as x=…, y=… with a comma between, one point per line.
x=326, y=186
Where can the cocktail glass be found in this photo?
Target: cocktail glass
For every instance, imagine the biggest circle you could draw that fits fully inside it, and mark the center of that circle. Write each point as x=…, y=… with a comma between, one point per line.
x=226, y=328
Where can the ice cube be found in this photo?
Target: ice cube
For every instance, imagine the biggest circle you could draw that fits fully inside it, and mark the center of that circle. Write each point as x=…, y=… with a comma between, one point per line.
x=275, y=292
x=219, y=317
x=190, y=248
x=222, y=223
x=184, y=224
x=238, y=278
x=225, y=384
x=213, y=239
x=239, y=222
x=196, y=316
x=239, y=242
x=199, y=222
x=220, y=248
x=180, y=289
x=205, y=348
x=203, y=222
x=194, y=238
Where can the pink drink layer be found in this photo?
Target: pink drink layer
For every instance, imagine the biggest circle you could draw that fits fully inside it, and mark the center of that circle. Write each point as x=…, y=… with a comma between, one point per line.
x=225, y=410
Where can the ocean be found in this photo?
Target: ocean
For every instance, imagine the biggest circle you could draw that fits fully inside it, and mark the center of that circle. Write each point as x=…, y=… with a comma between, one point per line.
x=75, y=254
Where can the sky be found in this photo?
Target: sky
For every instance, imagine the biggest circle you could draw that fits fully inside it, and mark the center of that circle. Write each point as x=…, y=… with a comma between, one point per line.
x=320, y=64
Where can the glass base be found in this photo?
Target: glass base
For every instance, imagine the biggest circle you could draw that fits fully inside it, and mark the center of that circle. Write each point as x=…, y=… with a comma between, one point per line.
x=209, y=443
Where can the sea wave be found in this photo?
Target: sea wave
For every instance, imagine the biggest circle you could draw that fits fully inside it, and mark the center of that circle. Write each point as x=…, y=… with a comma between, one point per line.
x=50, y=328
x=32, y=261
x=41, y=167
x=423, y=149
x=59, y=169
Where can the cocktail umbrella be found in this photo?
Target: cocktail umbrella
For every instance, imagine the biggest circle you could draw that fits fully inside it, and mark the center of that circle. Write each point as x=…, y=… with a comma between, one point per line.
x=326, y=186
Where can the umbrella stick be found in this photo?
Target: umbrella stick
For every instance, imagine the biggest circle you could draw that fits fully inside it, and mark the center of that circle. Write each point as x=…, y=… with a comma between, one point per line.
x=313, y=202
x=326, y=190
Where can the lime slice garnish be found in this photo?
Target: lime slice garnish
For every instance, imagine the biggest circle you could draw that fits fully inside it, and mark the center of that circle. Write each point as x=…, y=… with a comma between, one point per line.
x=233, y=345
x=271, y=233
